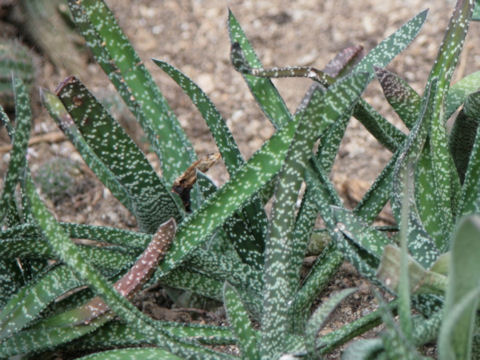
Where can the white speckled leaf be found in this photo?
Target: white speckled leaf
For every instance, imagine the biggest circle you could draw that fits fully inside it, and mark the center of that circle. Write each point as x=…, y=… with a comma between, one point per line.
x=263, y=90
x=261, y=167
x=321, y=111
x=240, y=323
x=67, y=251
x=445, y=178
x=16, y=166
x=247, y=228
x=420, y=244
x=118, y=59
x=152, y=202
x=320, y=316
x=458, y=92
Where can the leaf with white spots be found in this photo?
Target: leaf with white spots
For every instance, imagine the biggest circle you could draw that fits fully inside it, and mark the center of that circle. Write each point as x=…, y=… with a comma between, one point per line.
x=320, y=316
x=280, y=279
x=445, y=179
x=185, y=278
x=17, y=164
x=152, y=202
x=27, y=303
x=463, y=133
x=380, y=128
x=368, y=238
x=263, y=90
x=378, y=194
x=58, y=112
x=324, y=198
x=247, y=228
x=120, y=62
x=247, y=337
x=67, y=251
x=459, y=91
x=344, y=61
x=117, y=335
x=470, y=197
x=401, y=96
x=132, y=354
x=11, y=277
x=420, y=243
x=261, y=167
x=325, y=267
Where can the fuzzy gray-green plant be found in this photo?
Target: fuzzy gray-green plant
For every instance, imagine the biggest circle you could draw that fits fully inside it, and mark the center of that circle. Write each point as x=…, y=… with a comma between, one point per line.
x=227, y=248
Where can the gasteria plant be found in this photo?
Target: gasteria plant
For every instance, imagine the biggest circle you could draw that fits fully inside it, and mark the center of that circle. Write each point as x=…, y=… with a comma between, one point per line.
x=226, y=248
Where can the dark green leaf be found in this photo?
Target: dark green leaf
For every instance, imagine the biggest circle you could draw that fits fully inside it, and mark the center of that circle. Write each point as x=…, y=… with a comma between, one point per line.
x=152, y=201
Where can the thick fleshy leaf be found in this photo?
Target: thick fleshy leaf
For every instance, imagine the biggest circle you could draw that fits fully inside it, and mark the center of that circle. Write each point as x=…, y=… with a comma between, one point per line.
x=369, y=239
x=347, y=332
x=344, y=61
x=403, y=98
x=459, y=91
x=58, y=112
x=263, y=90
x=396, y=344
x=249, y=240
x=320, y=275
x=260, y=168
x=420, y=244
x=464, y=131
x=132, y=281
x=359, y=258
x=463, y=292
x=228, y=268
x=420, y=280
x=187, y=279
x=240, y=323
x=152, y=201
x=126, y=239
x=319, y=317
x=470, y=199
x=120, y=62
x=446, y=184
x=16, y=166
x=378, y=194
x=132, y=354
x=385, y=132
x=117, y=334
x=67, y=251
x=279, y=279
x=27, y=304
x=10, y=272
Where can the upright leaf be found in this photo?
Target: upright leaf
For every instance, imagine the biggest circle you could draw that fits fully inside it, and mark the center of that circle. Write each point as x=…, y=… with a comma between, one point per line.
x=120, y=62
x=404, y=100
x=263, y=90
x=249, y=240
x=318, y=318
x=67, y=251
x=446, y=184
x=246, y=182
x=17, y=164
x=240, y=323
x=462, y=136
x=152, y=201
x=463, y=292
x=279, y=281
x=420, y=243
